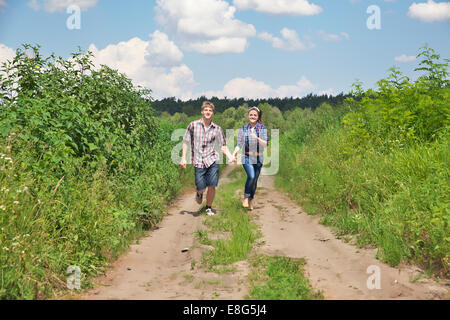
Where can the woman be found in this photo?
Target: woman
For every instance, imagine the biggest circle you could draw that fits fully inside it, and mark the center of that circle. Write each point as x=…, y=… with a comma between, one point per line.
x=252, y=139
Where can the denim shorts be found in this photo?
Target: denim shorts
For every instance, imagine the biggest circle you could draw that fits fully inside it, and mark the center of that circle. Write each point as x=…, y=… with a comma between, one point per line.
x=207, y=177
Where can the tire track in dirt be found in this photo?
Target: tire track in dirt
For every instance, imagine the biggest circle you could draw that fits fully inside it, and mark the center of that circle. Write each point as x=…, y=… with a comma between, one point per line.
x=157, y=269
x=337, y=268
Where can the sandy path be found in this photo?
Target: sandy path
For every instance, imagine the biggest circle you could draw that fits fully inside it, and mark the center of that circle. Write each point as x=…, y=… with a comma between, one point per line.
x=156, y=268
x=336, y=267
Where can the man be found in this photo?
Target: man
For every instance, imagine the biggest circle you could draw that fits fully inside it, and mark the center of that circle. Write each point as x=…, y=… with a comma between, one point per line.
x=202, y=134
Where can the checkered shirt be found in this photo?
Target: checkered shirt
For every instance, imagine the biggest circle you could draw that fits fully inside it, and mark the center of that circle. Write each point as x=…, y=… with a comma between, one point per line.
x=251, y=144
x=203, y=153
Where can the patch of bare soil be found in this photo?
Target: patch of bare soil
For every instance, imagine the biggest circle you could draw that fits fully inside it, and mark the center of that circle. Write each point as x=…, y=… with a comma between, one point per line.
x=167, y=263
x=337, y=268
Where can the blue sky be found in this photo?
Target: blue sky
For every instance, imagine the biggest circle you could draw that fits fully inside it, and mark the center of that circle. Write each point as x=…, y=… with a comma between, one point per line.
x=234, y=48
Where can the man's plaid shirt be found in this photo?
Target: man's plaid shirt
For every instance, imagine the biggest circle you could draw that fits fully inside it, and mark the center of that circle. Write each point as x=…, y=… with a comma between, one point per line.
x=202, y=142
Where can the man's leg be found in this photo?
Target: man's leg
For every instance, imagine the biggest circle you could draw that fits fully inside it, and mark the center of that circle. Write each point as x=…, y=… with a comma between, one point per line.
x=210, y=196
x=200, y=183
x=212, y=181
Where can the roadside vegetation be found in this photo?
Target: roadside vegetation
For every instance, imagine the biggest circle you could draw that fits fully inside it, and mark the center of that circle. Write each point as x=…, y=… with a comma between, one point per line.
x=83, y=170
x=377, y=167
x=271, y=278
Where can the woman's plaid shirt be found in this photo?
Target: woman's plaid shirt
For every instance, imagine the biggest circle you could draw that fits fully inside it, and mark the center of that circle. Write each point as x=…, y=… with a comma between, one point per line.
x=249, y=144
x=202, y=142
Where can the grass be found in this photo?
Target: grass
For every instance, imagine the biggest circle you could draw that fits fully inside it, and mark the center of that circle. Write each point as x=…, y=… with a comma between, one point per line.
x=232, y=219
x=397, y=202
x=86, y=219
x=271, y=277
x=280, y=278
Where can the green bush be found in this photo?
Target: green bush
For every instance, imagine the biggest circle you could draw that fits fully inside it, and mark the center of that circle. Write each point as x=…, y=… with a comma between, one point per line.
x=83, y=170
x=382, y=172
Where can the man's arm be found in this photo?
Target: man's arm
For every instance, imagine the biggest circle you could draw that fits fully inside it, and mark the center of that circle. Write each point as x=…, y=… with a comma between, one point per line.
x=228, y=154
x=183, y=156
x=236, y=150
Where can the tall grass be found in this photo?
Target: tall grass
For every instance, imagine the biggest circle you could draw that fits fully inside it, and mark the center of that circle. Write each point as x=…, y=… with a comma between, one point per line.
x=84, y=169
x=381, y=169
x=397, y=202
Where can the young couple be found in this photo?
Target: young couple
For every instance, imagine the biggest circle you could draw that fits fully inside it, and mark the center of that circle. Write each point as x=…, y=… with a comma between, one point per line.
x=202, y=134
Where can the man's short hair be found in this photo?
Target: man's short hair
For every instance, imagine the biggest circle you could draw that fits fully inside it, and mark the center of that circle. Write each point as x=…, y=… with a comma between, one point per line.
x=208, y=104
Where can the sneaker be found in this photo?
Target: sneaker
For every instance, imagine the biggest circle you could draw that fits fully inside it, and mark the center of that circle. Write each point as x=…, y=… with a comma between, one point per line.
x=199, y=198
x=209, y=212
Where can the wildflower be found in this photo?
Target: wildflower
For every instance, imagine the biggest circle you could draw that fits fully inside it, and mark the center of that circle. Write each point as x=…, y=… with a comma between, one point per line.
x=2, y=207
x=5, y=248
x=16, y=202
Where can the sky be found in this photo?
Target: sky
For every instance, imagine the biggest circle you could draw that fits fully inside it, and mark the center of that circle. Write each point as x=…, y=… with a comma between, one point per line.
x=234, y=48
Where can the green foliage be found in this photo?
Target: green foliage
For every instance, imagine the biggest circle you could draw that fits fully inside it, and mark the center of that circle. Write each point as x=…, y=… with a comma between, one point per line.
x=83, y=170
x=382, y=173
x=234, y=221
x=284, y=279
x=401, y=112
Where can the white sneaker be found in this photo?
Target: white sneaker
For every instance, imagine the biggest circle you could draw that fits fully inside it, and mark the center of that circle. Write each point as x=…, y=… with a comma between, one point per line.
x=209, y=212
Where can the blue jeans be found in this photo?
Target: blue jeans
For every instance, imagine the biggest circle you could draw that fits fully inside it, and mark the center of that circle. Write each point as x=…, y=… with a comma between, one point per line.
x=253, y=169
x=207, y=177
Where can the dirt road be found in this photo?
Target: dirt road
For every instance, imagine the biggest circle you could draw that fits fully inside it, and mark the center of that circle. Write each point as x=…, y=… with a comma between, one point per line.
x=159, y=267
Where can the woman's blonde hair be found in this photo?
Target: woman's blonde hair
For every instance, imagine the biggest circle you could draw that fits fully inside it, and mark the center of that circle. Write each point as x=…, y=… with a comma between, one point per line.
x=208, y=104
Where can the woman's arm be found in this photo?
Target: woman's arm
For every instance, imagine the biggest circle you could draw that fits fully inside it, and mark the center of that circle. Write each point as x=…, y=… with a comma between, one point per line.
x=260, y=141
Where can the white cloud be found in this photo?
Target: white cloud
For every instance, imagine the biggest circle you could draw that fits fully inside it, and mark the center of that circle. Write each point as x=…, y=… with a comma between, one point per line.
x=204, y=26
x=345, y=35
x=329, y=92
x=3, y=4
x=289, y=42
x=61, y=5
x=430, y=11
x=218, y=46
x=6, y=53
x=404, y=58
x=34, y=4
x=252, y=89
x=161, y=51
x=290, y=7
x=330, y=37
x=144, y=62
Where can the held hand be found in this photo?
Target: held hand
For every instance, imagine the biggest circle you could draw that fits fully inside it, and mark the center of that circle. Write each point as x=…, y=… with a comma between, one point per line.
x=183, y=163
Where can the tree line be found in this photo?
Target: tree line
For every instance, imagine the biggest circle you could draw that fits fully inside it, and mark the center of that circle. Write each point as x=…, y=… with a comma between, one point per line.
x=192, y=107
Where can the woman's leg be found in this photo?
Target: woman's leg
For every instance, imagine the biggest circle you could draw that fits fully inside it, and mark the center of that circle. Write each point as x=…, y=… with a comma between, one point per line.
x=257, y=169
x=250, y=170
